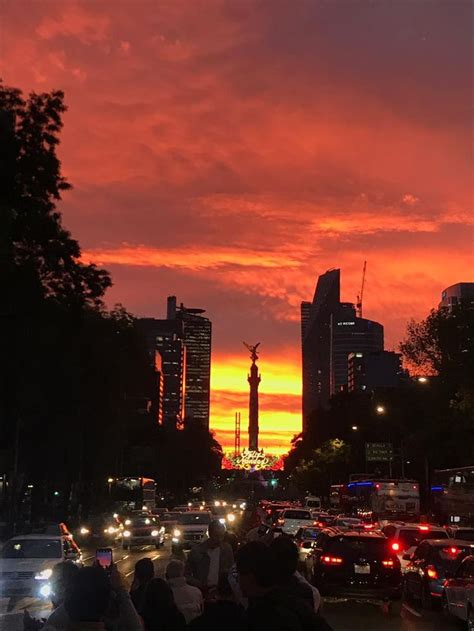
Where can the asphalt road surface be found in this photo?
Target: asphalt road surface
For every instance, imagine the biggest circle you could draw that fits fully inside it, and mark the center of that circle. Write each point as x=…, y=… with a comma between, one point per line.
x=342, y=615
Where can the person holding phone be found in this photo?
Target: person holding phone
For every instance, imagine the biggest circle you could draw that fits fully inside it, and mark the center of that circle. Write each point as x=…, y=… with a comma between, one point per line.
x=96, y=600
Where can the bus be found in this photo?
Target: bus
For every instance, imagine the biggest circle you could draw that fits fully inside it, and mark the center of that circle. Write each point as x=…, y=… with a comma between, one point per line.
x=132, y=493
x=392, y=498
x=452, y=496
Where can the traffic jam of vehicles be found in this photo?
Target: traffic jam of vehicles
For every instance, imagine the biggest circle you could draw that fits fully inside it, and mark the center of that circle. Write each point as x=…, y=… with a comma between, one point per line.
x=368, y=543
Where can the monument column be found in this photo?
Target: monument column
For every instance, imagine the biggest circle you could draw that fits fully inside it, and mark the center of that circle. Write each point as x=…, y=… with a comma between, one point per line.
x=254, y=380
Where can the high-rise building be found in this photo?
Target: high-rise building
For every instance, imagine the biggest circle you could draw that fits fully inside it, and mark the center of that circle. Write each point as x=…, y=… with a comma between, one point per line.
x=460, y=293
x=166, y=338
x=197, y=335
x=330, y=331
x=369, y=371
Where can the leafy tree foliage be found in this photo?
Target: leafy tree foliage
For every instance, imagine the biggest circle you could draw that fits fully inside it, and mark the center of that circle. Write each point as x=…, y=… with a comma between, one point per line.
x=324, y=465
x=75, y=379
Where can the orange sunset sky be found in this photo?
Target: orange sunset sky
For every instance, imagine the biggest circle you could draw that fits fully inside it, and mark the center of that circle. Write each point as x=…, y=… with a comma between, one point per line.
x=230, y=151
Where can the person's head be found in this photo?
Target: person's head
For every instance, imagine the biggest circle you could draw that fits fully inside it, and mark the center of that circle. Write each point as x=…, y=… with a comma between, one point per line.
x=144, y=571
x=256, y=568
x=216, y=532
x=61, y=581
x=285, y=554
x=175, y=569
x=89, y=596
x=158, y=598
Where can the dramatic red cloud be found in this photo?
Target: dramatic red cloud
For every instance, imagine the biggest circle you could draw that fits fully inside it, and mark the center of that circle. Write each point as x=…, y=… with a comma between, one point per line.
x=229, y=152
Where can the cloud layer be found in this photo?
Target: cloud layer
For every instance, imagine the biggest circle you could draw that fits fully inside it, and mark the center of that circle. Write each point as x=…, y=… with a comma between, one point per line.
x=229, y=152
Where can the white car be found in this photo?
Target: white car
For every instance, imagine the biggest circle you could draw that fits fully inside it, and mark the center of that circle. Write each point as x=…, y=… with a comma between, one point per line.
x=142, y=530
x=190, y=530
x=27, y=563
x=458, y=596
x=404, y=538
x=291, y=520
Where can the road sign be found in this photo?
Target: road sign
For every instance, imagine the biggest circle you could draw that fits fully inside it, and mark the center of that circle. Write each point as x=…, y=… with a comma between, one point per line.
x=378, y=452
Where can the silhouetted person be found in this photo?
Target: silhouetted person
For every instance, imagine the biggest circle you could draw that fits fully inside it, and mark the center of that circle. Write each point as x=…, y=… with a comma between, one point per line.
x=188, y=598
x=209, y=560
x=159, y=610
x=270, y=606
x=144, y=572
x=224, y=613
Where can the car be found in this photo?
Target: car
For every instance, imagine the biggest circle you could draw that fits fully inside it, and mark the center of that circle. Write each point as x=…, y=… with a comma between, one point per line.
x=290, y=520
x=356, y=564
x=142, y=529
x=304, y=539
x=27, y=563
x=405, y=537
x=169, y=521
x=323, y=520
x=349, y=522
x=458, y=594
x=190, y=530
x=428, y=567
x=466, y=533
x=102, y=526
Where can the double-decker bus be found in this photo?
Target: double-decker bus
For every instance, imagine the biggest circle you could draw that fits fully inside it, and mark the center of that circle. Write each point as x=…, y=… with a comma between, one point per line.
x=394, y=498
x=452, y=496
x=132, y=493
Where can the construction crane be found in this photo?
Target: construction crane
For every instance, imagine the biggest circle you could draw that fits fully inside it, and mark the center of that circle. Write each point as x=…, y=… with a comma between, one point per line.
x=360, y=296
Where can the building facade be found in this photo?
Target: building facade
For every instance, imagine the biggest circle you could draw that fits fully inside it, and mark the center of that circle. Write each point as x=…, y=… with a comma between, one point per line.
x=460, y=293
x=197, y=335
x=330, y=331
x=166, y=338
x=369, y=371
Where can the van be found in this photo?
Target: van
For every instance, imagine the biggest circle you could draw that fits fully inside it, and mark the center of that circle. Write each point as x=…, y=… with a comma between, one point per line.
x=312, y=502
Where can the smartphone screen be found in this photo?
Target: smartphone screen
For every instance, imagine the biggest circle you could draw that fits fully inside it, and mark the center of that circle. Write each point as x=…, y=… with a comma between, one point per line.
x=103, y=556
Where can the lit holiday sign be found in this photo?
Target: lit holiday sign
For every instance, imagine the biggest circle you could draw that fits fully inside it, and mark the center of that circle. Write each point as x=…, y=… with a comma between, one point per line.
x=252, y=461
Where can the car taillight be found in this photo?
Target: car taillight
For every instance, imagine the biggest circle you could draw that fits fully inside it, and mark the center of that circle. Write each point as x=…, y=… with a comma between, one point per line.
x=431, y=572
x=395, y=546
x=280, y=521
x=331, y=560
x=424, y=527
x=388, y=563
x=368, y=526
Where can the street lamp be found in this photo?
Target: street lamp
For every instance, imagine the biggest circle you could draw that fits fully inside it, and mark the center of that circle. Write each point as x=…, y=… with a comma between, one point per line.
x=422, y=380
x=109, y=482
x=380, y=409
x=354, y=428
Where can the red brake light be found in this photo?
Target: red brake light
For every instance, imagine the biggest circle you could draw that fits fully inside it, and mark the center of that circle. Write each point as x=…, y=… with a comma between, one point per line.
x=388, y=563
x=395, y=546
x=431, y=572
x=424, y=527
x=332, y=560
x=281, y=521
x=368, y=526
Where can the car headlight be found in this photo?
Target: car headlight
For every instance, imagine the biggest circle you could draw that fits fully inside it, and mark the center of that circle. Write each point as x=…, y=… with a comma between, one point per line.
x=176, y=532
x=230, y=517
x=128, y=522
x=84, y=531
x=222, y=520
x=44, y=574
x=154, y=533
x=111, y=530
x=45, y=590
x=147, y=521
x=126, y=533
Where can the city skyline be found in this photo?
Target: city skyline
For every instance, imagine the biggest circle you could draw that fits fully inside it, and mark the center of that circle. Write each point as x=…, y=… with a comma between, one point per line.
x=232, y=157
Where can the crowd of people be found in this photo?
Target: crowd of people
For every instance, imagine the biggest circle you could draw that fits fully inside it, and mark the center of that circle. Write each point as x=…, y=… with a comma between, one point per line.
x=256, y=588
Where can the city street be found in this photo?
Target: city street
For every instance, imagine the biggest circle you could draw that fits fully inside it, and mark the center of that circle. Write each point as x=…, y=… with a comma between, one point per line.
x=342, y=615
